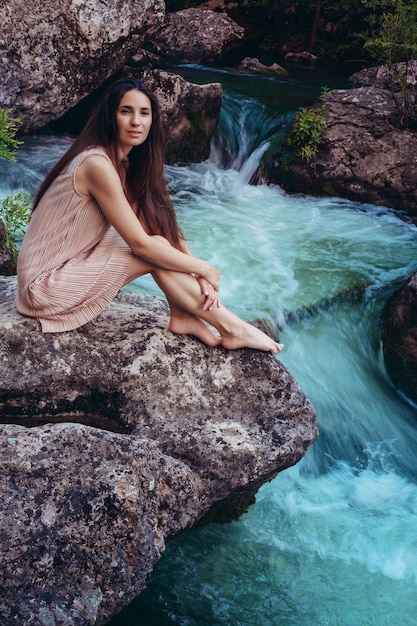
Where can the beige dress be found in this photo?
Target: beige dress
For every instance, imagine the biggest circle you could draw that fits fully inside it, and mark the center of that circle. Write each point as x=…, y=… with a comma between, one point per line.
x=72, y=262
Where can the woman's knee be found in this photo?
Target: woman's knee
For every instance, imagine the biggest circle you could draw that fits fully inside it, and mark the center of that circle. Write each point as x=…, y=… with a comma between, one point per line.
x=138, y=267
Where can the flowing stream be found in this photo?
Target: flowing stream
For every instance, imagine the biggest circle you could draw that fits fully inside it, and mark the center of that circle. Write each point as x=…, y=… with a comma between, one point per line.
x=331, y=541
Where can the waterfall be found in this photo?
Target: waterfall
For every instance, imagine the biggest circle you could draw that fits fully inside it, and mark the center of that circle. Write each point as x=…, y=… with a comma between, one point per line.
x=243, y=135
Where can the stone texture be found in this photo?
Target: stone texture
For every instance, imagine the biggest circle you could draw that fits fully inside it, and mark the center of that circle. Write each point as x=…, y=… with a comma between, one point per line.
x=400, y=337
x=194, y=36
x=302, y=59
x=84, y=517
x=52, y=54
x=254, y=66
x=55, y=58
x=190, y=113
x=381, y=76
x=135, y=434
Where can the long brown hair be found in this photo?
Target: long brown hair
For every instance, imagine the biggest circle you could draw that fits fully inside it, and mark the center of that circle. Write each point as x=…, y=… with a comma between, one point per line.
x=145, y=185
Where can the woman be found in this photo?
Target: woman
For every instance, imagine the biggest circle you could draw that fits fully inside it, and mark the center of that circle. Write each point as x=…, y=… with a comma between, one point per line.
x=103, y=217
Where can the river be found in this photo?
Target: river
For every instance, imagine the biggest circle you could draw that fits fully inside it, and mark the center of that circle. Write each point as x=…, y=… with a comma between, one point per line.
x=331, y=541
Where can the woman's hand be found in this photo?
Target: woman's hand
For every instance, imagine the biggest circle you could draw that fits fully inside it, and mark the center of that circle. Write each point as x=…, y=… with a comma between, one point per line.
x=212, y=275
x=209, y=280
x=212, y=297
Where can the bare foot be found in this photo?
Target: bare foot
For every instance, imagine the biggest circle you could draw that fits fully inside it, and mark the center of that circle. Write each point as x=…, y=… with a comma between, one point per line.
x=247, y=336
x=187, y=324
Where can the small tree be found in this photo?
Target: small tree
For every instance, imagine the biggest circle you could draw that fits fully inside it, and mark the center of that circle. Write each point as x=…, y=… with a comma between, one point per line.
x=392, y=40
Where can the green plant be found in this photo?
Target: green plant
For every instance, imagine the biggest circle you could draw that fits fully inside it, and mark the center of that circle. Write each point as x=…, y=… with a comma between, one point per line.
x=307, y=131
x=328, y=189
x=8, y=130
x=14, y=208
x=392, y=40
x=14, y=212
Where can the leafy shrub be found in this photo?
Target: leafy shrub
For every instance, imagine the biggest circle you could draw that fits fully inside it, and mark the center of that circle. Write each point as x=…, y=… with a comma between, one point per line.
x=8, y=130
x=14, y=212
x=307, y=131
x=14, y=208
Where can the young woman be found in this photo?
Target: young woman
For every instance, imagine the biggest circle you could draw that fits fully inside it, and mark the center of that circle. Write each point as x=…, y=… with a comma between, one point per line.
x=103, y=217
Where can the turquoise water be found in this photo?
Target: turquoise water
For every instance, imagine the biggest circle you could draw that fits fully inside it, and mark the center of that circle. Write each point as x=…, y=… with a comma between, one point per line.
x=333, y=540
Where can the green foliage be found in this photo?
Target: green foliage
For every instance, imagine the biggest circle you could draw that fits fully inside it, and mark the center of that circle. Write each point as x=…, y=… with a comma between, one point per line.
x=328, y=189
x=307, y=130
x=393, y=34
x=14, y=212
x=392, y=40
x=8, y=130
x=15, y=208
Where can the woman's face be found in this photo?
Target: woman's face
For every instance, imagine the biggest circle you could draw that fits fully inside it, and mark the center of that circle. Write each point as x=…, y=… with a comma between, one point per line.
x=134, y=120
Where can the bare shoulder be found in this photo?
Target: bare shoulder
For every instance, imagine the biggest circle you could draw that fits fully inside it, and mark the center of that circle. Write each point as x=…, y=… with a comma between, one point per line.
x=96, y=163
x=95, y=169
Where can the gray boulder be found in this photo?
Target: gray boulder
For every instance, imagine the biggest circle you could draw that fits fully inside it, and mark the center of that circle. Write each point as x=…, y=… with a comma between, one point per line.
x=385, y=77
x=364, y=155
x=400, y=337
x=190, y=113
x=196, y=35
x=252, y=65
x=55, y=53
x=302, y=59
x=118, y=436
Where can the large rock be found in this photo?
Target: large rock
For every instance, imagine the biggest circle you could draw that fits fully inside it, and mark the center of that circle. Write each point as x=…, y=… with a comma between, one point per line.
x=252, y=65
x=385, y=77
x=195, y=35
x=55, y=53
x=135, y=434
x=364, y=156
x=190, y=113
x=56, y=59
x=400, y=337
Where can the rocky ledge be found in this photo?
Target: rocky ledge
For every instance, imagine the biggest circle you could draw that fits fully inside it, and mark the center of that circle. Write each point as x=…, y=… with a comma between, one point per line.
x=364, y=156
x=118, y=436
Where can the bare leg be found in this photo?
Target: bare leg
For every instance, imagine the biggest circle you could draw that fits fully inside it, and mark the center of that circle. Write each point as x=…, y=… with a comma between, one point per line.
x=182, y=322
x=188, y=317
x=183, y=290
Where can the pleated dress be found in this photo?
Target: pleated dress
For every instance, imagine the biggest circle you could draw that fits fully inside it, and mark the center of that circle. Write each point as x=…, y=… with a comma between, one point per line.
x=72, y=262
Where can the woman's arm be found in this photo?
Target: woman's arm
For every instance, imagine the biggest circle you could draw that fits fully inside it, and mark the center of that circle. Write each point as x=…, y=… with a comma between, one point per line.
x=207, y=290
x=97, y=176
